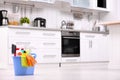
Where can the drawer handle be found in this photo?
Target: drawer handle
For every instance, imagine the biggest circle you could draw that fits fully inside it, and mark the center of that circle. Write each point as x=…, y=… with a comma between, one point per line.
x=49, y=43
x=71, y=60
x=48, y=34
x=25, y=43
x=21, y=33
x=49, y=56
x=90, y=43
x=90, y=36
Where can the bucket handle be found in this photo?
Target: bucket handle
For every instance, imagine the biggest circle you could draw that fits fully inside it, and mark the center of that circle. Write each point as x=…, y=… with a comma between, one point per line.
x=34, y=55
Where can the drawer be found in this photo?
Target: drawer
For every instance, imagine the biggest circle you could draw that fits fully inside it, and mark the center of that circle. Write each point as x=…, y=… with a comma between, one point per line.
x=50, y=34
x=21, y=33
x=49, y=43
x=48, y=55
x=89, y=36
x=23, y=43
x=34, y=33
x=35, y=43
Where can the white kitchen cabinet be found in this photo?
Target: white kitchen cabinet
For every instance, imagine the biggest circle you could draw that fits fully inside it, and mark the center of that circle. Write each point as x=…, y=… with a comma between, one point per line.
x=46, y=44
x=3, y=48
x=100, y=4
x=93, y=47
x=48, y=55
x=81, y=3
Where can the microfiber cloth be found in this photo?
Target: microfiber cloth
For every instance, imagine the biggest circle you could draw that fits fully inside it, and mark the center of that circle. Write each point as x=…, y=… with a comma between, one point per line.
x=27, y=60
x=30, y=60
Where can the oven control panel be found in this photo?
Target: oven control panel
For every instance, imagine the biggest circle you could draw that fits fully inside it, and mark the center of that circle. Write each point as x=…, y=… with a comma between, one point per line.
x=70, y=33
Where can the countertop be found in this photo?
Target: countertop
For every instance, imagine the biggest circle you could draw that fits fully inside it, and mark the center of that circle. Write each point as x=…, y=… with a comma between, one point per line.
x=56, y=29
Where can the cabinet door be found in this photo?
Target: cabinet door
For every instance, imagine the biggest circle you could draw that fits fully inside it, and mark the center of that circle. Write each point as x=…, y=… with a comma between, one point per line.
x=93, y=47
x=100, y=4
x=81, y=3
x=102, y=41
x=87, y=51
x=3, y=48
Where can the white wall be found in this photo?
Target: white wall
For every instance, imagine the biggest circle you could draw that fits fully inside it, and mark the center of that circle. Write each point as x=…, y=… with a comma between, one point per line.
x=53, y=16
x=114, y=39
x=113, y=14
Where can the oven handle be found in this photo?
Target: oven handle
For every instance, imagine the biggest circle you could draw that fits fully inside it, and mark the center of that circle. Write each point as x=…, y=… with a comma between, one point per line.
x=71, y=37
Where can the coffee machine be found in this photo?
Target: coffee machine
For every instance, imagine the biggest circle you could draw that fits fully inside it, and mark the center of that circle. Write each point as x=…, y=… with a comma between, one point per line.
x=3, y=18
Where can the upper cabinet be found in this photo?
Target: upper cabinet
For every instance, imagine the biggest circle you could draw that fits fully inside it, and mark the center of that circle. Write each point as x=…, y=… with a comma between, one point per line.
x=102, y=5
x=81, y=3
x=91, y=5
x=85, y=5
x=69, y=5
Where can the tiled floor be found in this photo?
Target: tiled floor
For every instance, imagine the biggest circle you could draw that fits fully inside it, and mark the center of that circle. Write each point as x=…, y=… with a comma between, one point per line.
x=79, y=71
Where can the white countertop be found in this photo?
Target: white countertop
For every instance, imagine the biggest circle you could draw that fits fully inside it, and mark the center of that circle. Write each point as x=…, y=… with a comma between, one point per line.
x=55, y=29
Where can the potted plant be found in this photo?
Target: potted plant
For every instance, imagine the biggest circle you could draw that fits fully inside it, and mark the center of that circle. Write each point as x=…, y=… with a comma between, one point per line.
x=25, y=21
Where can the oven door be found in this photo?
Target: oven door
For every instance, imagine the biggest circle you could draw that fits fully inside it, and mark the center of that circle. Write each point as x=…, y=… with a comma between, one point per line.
x=70, y=46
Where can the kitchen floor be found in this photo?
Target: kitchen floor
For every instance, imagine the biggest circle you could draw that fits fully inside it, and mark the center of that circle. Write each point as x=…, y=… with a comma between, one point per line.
x=78, y=71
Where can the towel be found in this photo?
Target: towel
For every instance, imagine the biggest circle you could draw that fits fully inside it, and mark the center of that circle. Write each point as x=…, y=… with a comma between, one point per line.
x=27, y=60
x=31, y=60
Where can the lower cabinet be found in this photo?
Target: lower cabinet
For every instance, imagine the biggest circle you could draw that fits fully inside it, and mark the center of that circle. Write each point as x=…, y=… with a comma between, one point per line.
x=3, y=48
x=93, y=47
x=48, y=55
x=46, y=44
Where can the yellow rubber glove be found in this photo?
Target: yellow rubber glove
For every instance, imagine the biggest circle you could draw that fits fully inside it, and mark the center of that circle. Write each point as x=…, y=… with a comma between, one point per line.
x=24, y=60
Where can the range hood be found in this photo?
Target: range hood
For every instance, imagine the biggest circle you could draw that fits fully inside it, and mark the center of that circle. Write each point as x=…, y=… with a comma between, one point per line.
x=63, y=5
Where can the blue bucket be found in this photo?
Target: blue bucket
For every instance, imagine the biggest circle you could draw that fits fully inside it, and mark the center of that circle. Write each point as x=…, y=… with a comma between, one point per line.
x=19, y=70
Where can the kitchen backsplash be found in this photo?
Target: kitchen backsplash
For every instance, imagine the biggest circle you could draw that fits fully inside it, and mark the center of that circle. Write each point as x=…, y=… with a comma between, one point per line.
x=53, y=16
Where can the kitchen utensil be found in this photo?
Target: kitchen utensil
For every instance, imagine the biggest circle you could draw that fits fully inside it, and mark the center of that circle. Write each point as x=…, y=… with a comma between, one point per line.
x=69, y=25
x=3, y=18
x=39, y=22
x=63, y=24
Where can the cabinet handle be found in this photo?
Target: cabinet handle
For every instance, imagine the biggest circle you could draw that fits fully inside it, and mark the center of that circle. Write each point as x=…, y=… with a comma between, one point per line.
x=48, y=34
x=90, y=36
x=49, y=56
x=71, y=60
x=25, y=43
x=23, y=33
x=90, y=43
x=49, y=43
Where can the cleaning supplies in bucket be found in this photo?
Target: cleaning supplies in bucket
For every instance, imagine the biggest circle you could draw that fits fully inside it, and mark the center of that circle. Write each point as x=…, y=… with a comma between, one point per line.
x=27, y=59
x=24, y=61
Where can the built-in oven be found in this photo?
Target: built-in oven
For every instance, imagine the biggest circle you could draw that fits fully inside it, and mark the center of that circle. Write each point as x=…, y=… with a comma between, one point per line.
x=70, y=44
